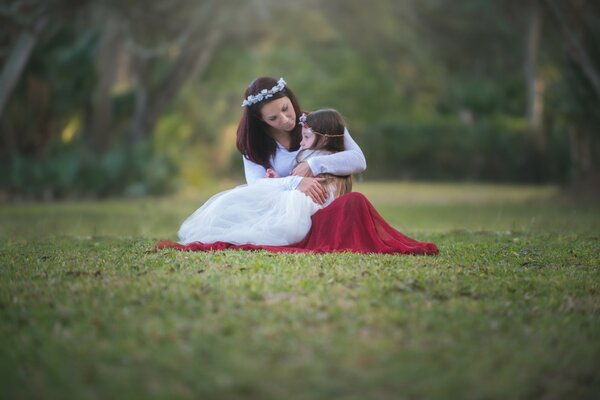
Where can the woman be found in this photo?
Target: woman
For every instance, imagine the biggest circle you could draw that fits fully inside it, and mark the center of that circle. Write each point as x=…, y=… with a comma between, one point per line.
x=268, y=137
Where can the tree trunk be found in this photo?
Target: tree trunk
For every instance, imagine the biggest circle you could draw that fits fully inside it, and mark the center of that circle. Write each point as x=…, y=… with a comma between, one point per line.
x=139, y=128
x=586, y=171
x=98, y=133
x=534, y=83
x=17, y=59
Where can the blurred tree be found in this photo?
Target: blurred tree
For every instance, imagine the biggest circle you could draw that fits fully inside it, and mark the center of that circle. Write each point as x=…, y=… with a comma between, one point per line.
x=98, y=130
x=166, y=44
x=30, y=79
x=24, y=23
x=580, y=85
x=126, y=62
x=166, y=52
x=578, y=21
x=386, y=34
x=532, y=79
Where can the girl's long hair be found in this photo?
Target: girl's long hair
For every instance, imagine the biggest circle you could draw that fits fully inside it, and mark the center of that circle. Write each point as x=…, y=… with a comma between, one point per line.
x=253, y=140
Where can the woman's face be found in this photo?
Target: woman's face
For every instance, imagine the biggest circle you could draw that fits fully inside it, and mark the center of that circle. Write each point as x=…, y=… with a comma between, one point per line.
x=308, y=138
x=279, y=114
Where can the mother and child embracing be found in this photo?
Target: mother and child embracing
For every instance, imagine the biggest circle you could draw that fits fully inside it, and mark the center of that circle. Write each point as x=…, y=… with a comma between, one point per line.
x=298, y=194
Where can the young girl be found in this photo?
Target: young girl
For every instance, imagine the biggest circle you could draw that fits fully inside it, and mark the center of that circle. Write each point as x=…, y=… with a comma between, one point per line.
x=271, y=211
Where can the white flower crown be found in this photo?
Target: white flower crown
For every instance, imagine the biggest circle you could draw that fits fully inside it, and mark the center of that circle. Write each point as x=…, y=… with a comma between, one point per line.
x=264, y=94
x=304, y=124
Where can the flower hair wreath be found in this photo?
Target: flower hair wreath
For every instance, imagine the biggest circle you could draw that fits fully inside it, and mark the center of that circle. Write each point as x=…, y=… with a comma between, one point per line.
x=305, y=125
x=264, y=94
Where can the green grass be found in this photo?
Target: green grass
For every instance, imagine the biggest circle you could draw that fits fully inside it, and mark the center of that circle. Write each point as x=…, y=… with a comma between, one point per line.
x=510, y=308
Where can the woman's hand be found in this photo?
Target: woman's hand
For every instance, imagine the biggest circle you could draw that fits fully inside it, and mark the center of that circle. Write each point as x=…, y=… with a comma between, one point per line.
x=302, y=169
x=312, y=188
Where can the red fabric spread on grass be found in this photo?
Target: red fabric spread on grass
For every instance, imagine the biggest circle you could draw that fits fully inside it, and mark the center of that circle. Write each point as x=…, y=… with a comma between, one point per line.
x=350, y=223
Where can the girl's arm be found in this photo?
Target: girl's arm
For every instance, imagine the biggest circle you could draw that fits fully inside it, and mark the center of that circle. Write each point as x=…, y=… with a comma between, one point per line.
x=287, y=183
x=309, y=186
x=347, y=162
x=271, y=173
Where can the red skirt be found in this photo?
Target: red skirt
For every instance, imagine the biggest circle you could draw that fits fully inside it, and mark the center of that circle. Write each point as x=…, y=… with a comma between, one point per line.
x=350, y=223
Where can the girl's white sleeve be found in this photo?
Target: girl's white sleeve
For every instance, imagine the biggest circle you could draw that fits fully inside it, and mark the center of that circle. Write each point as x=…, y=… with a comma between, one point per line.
x=287, y=183
x=256, y=173
x=347, y=162
x=253, y=171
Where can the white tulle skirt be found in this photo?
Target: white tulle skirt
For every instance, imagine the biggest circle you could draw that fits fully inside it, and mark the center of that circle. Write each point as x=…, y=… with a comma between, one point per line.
x=257, y=214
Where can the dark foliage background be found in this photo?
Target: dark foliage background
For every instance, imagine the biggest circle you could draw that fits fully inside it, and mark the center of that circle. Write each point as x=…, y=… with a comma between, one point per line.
x=134, y=98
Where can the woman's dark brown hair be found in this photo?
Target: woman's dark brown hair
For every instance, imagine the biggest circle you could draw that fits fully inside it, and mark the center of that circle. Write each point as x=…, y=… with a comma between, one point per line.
x=253, y=140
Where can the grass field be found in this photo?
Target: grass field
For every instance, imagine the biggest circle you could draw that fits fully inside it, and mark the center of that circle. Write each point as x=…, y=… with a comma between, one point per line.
x=509, y=309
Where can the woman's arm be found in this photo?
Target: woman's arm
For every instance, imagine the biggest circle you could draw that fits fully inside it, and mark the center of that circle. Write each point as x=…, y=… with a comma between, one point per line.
x=253, y=171
x=347, y=162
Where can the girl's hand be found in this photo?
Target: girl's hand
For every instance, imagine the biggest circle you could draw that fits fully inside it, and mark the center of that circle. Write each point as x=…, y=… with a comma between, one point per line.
x=302, y=169
x=271, y=173
x=312, y=188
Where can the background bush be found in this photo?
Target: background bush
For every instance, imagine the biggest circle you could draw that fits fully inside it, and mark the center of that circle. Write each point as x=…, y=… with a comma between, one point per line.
x=64, y=173
x=445, y=150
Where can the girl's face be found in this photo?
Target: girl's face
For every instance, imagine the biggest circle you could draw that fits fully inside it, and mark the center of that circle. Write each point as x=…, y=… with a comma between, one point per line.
x=279, y=114
x=308, y=138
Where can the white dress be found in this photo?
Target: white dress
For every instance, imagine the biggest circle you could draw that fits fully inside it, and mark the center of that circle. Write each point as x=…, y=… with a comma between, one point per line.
x=268, y=212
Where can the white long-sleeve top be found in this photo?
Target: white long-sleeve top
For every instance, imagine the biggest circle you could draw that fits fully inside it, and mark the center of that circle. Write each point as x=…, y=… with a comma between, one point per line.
x=347, y=162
